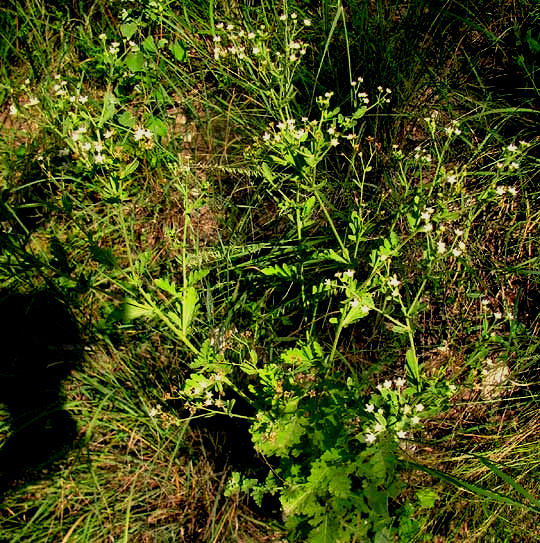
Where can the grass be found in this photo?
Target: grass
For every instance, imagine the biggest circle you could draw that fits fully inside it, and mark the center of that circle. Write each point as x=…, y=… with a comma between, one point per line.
x=291, y=259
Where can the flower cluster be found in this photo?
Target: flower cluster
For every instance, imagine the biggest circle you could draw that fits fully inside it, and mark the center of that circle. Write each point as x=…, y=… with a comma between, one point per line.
x=392, y=411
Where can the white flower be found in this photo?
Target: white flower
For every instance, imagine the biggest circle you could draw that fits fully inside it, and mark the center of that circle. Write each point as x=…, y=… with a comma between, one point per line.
x=452, y=179
x=83, y=99
x=13, y=110
x=497, y=315
x=307, y=22
x=512, y=148
x=108, y=134
x=514, y=165
x=32, y=102
x=512, y=191
x=139, y=133
x=86, y=146
x=456, y=252
x=98, y=147
x=99, y=158
x=354, y=303
x=266, y=136
x=394, y=282
x=370, y=407
x=334, y=142
x=441, y=247
x=401, y=434
x=378, y=428
x=400, y=382
x=415, y=420
x=365, y=309
x=458, y=231
x=419, y=407
x=370, y=438
x=406, y=409
x=387, y=384
x=349, y=273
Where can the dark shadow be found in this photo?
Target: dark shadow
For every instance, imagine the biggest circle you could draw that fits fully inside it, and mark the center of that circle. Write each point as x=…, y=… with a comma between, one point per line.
x=40, y=345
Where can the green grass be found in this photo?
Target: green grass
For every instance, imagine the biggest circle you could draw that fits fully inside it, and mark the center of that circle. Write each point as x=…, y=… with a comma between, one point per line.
x=302, y=255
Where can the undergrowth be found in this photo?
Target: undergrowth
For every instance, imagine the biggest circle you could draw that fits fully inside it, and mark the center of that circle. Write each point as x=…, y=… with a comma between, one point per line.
x=299, y=250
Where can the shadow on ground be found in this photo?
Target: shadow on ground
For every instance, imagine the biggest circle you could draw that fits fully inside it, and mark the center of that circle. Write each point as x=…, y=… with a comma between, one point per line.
x=40, y=344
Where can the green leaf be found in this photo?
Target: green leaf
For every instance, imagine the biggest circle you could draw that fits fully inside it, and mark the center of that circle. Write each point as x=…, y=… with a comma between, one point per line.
x=165, y=285
x=157, y=127
x=189, y=303
x=135, y=61
x=127, y=119
x=129, y=169
x=427, y=497
x=109, y=108
x=103, y=256
x=178, y=50
x=128, y=29
x=149, y=44
x=133, y=310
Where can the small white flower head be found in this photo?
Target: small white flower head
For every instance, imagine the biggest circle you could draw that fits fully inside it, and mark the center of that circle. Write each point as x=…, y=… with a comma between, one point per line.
x=497, y=315
x=400, y=382
x=283, y=17
x=419, y=408
x=510, y=316
x=102, y=37
x=441, y=247
x=83, y=99
x=307, y=22
x=266, y=136
x=331, y=130
x=458, y=232
x=415, y=420
x=452, y=179
x=512, y=148
x=220, y=26
x=293, y=16
x=334, y=142
x=394, y=282
x=99, y=158
x=108, y=134
x=484, y=302
x=407, y=409
x=365, y=309
x=32, y=102
x=512, y=190
x=370, y=408
x=462, y=245
x=355, y=303
x=370, y=438
x=13, y=110
x=378, y=428
x=401, y=434
x=328, y=282
x=86, y=146
x=428, y=227
x=72, y=99
x=514, y=165
x=98, y=147
x=456, y=252
x=387, y=384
